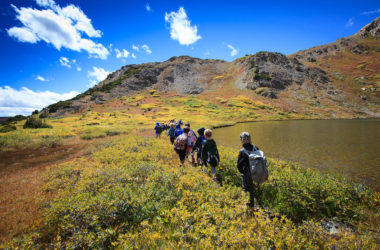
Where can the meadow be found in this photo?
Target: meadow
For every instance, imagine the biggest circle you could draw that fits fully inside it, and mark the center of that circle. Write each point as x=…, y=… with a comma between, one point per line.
x=129, y=191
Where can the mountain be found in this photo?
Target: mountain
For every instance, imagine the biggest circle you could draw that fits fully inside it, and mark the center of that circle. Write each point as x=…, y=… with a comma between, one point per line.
x=340, y=79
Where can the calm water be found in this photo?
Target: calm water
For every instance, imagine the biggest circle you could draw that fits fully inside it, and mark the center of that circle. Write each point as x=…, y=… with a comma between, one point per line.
x=349, y=147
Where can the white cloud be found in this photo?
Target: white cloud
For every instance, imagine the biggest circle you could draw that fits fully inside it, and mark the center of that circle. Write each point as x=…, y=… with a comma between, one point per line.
x=146, y=49
x=370, y=12
x=46, y=3
x=79, y=68
x=23, y=35
x=61, y=27
x=122, y=54
x=64, y=62
x=25, y=101
x=134, y=47
x=350, y=23
x=180, y=27
x=41, y=78
x=98, y=73
x=133, y=55
x=147, y=6
x=233, y=50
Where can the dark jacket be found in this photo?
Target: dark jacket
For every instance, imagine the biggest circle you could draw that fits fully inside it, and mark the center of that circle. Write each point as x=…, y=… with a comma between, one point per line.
x=198, y=144
x=209, y=148
x=243, y=160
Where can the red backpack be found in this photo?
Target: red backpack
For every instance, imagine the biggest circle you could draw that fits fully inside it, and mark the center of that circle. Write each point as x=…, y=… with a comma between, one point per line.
x=180, y=142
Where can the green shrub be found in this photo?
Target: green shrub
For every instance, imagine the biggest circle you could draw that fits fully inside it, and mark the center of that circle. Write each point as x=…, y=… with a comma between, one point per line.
x=131, y=194
x=262, y=77
x=302, y=193
x=59, y=105
x=43, y=115
x=15, y=118
x=7, y=128
x=132, y=71
x=32, y=122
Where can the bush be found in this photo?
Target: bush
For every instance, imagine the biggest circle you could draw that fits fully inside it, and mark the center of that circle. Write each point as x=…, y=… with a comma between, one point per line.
x=43, y=115
x=302, y=193
x=35, y=123
x=35, y=112
x=131, y=194
x=59, y=105
x=7, y=128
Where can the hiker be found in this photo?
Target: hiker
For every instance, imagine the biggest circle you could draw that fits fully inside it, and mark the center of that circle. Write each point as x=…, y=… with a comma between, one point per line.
x=198, y=146
x=178, y=130
x=180, y=145
x=158, y=129
x=244, y=166
x=192, y=138
x=171, y=132
x=210, y=154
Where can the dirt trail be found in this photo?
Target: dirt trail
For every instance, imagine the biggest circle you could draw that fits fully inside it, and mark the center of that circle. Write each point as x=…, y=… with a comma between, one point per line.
x=22, y=179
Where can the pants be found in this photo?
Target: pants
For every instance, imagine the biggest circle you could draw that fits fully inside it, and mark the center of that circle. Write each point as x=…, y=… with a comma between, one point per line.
x=248, y=186
x=172, y=139
x=213, y=170
x=182, y=155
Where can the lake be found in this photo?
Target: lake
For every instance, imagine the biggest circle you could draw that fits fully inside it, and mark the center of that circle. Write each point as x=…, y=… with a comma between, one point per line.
x=348, y=147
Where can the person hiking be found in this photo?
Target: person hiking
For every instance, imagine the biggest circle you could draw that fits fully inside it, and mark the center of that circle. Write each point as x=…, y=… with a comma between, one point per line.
x=178, y=130
x=192, y=138
x=180, y=145
x=210, y=154
x=171, y=132
x=198, y=146
x=243, y=166
x=158, y=129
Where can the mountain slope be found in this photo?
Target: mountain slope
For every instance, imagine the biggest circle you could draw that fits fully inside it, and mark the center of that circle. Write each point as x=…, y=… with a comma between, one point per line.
x=341, y=79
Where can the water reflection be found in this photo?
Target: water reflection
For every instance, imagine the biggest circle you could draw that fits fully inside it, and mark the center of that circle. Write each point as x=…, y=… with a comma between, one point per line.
x=350, y=147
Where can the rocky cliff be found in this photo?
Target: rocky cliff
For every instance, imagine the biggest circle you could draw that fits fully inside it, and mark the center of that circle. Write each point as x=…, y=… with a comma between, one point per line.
x=271, y=75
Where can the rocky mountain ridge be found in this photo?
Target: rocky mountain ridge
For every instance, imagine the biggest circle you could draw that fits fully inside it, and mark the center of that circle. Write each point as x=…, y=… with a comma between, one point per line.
x=270, y=75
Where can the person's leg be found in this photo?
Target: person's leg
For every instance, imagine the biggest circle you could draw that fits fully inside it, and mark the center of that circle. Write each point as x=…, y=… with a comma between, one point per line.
x=182, y=156
x=250, y=188
x=213, y=173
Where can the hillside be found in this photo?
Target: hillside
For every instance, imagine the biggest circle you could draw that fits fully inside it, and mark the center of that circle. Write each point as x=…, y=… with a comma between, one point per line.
x=92, y=178
x=340, y=79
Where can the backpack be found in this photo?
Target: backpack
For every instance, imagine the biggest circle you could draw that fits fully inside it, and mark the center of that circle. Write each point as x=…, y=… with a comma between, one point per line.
x=212, y=157
x=258, y=165
x=180, y=142
x=158, y=129
x=192, y=136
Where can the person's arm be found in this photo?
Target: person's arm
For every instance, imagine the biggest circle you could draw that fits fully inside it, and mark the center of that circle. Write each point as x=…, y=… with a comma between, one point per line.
x=217, y=153
x=197, y=142
x=242, y=161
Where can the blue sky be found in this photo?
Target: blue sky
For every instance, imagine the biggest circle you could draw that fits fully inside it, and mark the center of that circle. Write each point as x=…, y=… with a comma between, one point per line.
x=52, y=50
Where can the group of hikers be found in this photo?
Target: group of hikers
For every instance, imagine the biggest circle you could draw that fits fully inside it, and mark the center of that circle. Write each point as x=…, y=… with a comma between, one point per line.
x=251, y=162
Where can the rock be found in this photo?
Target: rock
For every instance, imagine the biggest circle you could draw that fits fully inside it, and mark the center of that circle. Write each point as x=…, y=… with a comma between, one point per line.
x=358, y=49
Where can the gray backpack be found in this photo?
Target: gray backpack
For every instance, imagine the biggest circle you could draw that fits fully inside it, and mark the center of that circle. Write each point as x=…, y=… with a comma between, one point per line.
x=258, y=165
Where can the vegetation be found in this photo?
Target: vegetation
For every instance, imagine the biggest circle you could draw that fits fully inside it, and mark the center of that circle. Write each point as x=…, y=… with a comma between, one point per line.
x=32, y=122
x=262, y=76
x=131, y=194
x=7, y=128
x=132, y=71
x=59, y=105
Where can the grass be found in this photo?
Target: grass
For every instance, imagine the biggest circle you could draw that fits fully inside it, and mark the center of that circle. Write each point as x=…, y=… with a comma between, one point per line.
x=132, y=194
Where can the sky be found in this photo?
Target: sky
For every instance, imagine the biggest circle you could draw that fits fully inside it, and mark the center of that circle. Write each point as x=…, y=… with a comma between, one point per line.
x=52, y=50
